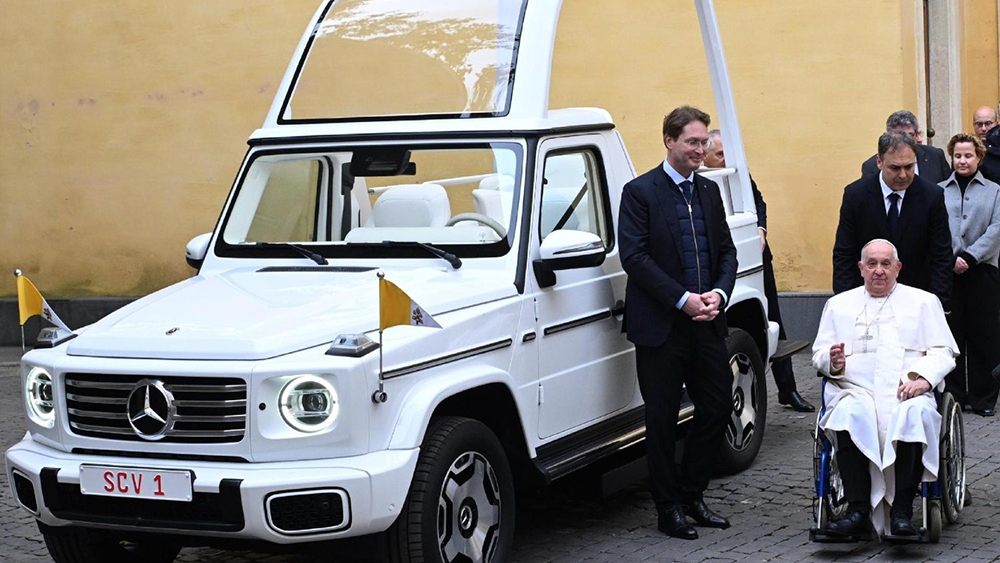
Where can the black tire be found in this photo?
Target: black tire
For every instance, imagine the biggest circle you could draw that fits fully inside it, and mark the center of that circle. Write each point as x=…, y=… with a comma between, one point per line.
x=83, y=545
x=436, y=519
x=951, y=474
x=934, y=523
x=745, y=428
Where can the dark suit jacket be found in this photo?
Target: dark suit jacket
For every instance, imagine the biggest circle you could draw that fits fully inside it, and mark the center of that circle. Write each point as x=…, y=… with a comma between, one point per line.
x=923, y=240
x=990, y=166
x=758, y=202
x=932, y=161
x=651, y=251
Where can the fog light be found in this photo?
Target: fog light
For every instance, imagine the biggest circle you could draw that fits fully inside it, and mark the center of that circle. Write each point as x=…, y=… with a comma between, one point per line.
x=308, y=403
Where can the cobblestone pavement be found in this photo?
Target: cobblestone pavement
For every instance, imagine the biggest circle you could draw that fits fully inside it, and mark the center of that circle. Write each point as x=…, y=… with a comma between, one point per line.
x=769, y=505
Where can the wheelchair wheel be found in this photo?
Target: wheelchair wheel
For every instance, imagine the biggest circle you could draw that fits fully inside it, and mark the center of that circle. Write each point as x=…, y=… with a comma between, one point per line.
x=832, y=506
x=952, y=465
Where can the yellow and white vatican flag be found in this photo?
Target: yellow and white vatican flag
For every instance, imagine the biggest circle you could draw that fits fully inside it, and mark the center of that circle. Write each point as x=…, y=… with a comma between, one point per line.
x=30, y=303
x=397, y=308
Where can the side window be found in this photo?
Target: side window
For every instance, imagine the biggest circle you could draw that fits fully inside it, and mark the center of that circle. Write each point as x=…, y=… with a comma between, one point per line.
x=574, y=195
x=287, y=211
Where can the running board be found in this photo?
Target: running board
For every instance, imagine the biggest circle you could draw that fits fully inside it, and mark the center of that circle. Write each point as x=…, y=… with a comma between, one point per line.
x=604, y=439
x=788, y=348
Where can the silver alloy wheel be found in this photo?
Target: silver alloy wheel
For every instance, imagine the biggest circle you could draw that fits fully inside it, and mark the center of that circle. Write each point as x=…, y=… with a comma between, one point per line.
x=743, y=421
x=838, y=506
x=469, y=511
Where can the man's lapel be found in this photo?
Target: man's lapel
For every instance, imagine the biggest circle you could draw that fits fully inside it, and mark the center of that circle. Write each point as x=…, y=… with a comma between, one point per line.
x=707, y=210
x=668, y=213
x=911, y=202
x=923, y=158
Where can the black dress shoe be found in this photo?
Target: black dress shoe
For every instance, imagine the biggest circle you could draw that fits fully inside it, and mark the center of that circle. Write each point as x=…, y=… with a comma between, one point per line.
x=900, y=525
x=704, y=516
x=673, y=523
x=855, y=524
x=795, y=401
x=984, y=412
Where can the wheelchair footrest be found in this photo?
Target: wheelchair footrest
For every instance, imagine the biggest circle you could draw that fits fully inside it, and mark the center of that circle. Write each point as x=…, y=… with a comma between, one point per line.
x=821, y=536
x=921, y=537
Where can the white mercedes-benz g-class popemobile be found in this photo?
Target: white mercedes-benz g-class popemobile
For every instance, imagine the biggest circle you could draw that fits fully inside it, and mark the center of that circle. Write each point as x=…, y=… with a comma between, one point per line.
x=253, y=402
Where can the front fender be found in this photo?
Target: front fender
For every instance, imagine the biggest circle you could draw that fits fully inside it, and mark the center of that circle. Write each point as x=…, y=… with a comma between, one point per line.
x=432, y=390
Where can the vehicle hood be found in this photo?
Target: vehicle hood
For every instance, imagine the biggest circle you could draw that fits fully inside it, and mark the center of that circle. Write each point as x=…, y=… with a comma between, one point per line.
x=252, y=314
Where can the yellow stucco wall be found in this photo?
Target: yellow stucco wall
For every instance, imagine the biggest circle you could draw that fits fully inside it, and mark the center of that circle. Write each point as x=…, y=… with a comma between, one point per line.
x=121, y=127
x=123, y=124
x=980, y=68
x=813, y=81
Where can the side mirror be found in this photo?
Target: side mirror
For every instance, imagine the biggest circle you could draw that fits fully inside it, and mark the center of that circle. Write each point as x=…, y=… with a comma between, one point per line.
x=197, y=249
x=567, y=250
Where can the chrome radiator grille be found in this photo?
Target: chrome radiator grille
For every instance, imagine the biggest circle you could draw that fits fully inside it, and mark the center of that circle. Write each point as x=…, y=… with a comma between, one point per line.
x=208, y=409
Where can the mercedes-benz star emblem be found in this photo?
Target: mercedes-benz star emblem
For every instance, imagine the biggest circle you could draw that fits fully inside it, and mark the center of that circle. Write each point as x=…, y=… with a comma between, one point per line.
x=151, y=409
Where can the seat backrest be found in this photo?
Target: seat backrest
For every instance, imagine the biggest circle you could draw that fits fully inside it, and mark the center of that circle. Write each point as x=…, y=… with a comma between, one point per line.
x=494, y=197
x=411, y=205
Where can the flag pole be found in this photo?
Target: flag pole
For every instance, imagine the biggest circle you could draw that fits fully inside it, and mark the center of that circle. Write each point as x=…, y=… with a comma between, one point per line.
x=17, y=274
x=380, y=396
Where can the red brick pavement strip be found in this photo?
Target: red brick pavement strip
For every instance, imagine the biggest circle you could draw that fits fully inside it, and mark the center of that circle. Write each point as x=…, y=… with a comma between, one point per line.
x=769, y=505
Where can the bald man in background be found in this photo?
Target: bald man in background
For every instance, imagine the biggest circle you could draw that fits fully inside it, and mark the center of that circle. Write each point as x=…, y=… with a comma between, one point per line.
x=984, y=120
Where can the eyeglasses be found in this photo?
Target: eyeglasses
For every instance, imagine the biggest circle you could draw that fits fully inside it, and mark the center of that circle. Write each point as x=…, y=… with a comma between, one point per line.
x=695, y=143
x=983, y=124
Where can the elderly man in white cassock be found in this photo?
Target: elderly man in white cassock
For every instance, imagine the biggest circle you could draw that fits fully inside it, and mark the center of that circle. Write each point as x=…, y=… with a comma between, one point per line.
x=883, y=348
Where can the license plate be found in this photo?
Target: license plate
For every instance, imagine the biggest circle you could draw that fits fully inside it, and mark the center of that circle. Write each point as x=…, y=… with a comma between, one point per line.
x=127, y=482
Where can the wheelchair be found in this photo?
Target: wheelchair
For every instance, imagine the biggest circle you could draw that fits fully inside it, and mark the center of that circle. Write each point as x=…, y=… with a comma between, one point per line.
x=942, y=500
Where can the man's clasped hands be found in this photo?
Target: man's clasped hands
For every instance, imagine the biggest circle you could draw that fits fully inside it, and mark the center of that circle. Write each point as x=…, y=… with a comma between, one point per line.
x=704, y=306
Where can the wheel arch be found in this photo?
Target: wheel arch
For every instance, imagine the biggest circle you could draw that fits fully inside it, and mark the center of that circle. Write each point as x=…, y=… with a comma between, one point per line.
x=748, y=314
x=481, y=393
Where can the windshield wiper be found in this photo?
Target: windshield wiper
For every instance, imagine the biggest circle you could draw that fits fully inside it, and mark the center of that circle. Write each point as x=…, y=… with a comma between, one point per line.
x=300, y=249
x=455, y=261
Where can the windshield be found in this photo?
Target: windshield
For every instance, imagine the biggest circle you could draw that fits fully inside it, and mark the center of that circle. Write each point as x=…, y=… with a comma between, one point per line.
x=350, y=201
x=371, y=58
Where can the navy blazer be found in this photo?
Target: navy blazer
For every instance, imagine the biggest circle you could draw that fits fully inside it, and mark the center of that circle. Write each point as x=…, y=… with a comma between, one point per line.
x=651, y=252
x=923, y=240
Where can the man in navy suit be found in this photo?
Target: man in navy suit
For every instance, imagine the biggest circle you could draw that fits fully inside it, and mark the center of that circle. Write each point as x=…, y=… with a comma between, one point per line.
x=903, y=208
x=681, y=264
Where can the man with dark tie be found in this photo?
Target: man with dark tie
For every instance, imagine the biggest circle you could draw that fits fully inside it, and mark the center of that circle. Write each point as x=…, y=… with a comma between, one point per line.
x=901, y=207
x=931, y=163
x=681, y=264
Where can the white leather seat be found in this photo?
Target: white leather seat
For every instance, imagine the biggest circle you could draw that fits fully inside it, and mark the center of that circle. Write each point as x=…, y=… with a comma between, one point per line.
x=411, y=205
x=494, y=198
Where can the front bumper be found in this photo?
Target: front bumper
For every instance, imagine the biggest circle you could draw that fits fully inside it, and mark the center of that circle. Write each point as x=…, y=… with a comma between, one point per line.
x=372, y=487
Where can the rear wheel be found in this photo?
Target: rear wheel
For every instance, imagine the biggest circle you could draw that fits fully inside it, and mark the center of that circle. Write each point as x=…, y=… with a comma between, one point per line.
x=952, y=465
x=833, y=505
x=745, y=429
x=460, y=508
x=84, y=545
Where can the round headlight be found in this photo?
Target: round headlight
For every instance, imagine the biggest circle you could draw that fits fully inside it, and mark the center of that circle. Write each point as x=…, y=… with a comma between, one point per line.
x=39, y=395
x=308, y=403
